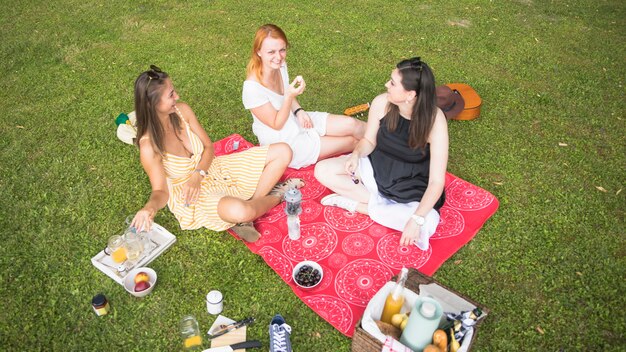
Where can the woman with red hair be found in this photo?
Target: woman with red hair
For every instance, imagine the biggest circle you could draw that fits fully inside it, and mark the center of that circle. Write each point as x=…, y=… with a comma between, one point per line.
x=277, y=114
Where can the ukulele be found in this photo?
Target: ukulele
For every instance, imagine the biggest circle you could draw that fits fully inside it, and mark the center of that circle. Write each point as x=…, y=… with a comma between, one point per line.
x=357, y=110
x=471, y=98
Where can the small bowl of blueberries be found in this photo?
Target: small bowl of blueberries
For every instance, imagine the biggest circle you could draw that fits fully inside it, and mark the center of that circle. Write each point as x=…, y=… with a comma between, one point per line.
x=307, y=274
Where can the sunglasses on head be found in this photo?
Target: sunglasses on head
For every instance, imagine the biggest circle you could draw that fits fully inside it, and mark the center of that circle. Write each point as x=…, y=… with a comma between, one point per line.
x=416, y=63
x=153, y=73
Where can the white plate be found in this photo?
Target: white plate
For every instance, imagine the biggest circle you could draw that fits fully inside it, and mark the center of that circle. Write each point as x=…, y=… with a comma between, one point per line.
x=162, y=240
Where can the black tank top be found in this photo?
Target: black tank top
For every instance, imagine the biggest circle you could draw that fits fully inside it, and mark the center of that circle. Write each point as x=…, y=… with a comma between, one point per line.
x=401, y=172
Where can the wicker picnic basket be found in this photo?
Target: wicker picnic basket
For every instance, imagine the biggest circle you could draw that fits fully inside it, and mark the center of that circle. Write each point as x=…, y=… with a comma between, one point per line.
x=362, y=341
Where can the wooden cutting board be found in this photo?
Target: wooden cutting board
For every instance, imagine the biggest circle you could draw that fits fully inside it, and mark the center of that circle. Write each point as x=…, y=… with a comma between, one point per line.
x=232, y=337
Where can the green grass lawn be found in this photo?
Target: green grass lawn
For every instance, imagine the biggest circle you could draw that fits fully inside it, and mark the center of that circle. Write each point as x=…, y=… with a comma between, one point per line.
x=549, y=145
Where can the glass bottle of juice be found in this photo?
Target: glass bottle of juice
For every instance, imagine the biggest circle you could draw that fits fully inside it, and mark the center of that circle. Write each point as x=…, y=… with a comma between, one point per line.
x=394, y=301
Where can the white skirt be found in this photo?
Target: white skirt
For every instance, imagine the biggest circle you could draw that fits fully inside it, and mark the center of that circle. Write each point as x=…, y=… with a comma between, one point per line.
x=392, y=214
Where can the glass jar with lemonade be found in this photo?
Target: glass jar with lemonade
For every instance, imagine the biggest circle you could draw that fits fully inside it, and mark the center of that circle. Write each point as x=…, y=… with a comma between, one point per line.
x=116, y=248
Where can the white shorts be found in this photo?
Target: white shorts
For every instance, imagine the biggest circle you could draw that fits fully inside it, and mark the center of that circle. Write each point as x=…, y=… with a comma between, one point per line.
x=306, y=145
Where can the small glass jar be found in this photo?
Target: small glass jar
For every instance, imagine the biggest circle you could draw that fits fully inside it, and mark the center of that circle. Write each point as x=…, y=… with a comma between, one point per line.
x=190, y=332
x=100, y=304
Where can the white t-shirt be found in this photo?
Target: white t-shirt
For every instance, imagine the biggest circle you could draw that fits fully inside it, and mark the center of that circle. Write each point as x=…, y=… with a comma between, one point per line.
x=305, y=143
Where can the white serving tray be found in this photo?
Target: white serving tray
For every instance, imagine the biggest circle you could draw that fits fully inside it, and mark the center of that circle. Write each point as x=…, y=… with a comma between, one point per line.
x=160, y=237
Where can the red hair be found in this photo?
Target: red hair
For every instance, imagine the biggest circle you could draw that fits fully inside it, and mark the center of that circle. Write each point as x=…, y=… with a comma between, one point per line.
x=255, y=65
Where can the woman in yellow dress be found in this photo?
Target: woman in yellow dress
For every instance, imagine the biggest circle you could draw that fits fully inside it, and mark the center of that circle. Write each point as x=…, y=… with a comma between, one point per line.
x=202, y=190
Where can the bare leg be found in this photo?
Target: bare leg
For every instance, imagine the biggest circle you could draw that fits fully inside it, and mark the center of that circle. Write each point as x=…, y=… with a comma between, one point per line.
x=236, y=210
x=342, y=135
x=239, y=211
x=362, y=208
x=341, y=125
x=278, y=157
x=332, y=174
x=331, y=146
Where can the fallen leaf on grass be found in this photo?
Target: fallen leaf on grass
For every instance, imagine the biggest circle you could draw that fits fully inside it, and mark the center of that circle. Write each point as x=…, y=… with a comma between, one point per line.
x=461, y=23
x=18, y=126
x=579, y=273
x=498, y=183
x=539, y=330
x=601, y=189
x=618, y=191
x=561, y=144
x=458, y=261
x=317, y=335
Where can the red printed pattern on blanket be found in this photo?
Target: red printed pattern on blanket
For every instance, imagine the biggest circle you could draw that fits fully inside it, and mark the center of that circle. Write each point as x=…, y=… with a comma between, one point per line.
x=358, y=256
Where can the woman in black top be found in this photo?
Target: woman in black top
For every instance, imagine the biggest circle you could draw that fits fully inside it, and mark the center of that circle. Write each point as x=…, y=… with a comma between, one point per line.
x=396, y=173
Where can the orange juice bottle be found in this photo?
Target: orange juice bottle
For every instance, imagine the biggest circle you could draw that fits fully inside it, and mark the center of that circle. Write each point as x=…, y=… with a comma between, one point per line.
x=395, y=299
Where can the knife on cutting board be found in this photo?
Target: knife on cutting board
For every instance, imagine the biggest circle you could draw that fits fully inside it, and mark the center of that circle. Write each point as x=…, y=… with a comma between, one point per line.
x=231, y=327
x=231, y=348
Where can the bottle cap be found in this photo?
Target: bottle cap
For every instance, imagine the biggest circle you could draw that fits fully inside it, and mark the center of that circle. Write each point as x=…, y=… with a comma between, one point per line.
x=98, y=299
x=293, y=195
x=427, y=310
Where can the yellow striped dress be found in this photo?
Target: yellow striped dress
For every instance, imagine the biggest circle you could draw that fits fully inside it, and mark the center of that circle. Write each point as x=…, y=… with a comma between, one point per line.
x=234, y=175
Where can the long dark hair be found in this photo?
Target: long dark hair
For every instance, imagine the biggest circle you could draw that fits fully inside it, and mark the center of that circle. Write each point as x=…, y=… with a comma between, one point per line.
x=148, y=89
x=416, y=76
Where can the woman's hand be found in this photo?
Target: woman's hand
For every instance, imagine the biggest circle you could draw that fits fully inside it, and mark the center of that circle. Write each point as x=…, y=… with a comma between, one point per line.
x=410, y=234
x=294, y=91
x=191, y=189
x=143, y=219
x=352, y=164
x=304, y=119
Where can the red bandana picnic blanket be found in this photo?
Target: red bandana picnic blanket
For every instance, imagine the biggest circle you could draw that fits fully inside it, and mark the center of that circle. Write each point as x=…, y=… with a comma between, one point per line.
x=358, y=256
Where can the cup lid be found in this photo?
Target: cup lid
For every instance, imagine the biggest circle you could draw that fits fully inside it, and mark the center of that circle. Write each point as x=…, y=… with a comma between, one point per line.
x=214, y=297
x=98, y=299
x=428, y=310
